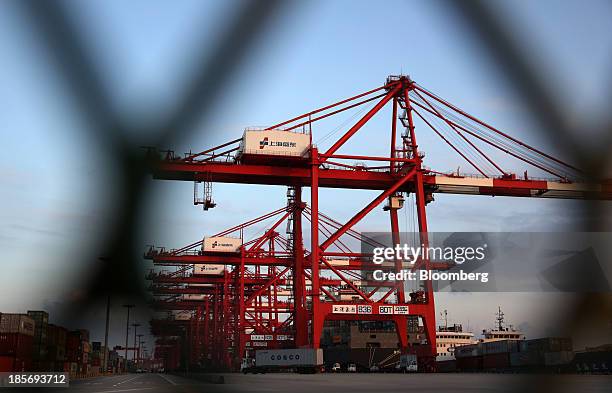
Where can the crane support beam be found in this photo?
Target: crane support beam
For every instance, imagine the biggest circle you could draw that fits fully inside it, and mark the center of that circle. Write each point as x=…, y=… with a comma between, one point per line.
x=376, y=180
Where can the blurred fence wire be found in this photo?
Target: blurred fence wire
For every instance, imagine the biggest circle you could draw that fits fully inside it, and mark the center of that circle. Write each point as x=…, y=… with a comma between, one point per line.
x=490, y=28
x=214, y=69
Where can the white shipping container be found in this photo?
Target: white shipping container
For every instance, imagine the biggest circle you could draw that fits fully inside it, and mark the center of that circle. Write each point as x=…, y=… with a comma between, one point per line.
x=339, y=262
x=274, y=142
x=208, y=270
x=289, y=357
x=221, y=244
x=16, y=323
x=466, y=351
x=193, y=297
x=182, y=315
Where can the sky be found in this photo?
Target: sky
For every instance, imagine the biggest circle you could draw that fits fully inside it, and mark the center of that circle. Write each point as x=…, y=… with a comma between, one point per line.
x=56, y=197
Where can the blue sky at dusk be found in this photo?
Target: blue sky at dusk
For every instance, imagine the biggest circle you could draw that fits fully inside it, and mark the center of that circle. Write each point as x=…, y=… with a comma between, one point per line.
x=57, y=184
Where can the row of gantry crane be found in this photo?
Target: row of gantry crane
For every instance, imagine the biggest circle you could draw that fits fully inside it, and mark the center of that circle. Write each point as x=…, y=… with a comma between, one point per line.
x=228, y=296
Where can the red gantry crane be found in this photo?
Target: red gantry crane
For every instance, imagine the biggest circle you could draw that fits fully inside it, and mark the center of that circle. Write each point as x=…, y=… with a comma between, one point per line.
x=283, y=154
x=259, y=273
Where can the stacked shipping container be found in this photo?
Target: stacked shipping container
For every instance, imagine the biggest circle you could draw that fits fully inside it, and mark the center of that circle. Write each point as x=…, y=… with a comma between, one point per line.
x=543, y=352
x=29, y=343
x=39, y=352
x=77, y=350
x=56, y=347
x=505, y=355
x=16, y=342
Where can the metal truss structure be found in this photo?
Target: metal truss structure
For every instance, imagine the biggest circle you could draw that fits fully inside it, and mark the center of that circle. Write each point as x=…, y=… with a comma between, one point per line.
x=277, y=292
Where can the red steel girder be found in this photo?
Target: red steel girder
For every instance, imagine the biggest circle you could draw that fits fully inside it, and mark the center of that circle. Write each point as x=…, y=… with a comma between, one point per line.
x=376, y=180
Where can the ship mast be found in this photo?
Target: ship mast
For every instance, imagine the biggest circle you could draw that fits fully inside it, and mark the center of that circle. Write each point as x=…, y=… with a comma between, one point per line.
x=500, y=319
x=445, y=314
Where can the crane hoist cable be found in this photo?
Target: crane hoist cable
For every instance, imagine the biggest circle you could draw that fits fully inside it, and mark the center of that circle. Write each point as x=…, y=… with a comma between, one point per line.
x=503, y=141
x=506, y=145
x=344, y=123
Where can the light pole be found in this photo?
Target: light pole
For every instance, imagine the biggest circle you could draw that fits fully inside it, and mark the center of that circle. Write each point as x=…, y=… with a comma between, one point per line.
x=127, y=332
x=135, y=324
x=142, y=352
x=105, y=354
x=139, y=342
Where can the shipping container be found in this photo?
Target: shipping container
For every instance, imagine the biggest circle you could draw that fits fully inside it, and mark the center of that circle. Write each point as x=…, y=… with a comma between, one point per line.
x=193, y=297
x=288, y=358
x=17, y=323
x=56, y=343
x=41, y=316
x=221, y=244
x=56, y=335
x=499, y=346
x=596, y=362
x=465, y=351
x=41, y=321
x=523, y=359
x=7, y=363
x=183, y=315
x=43, y=365
x=496, y=361
x=471, y=363
x=12, y=364
x=547, y=344
x=558, y=358
x=77, y=345
x=16, y=344
x=276, y=143
x=22, y=364
x=446, y=366
x=82, y=334
x=208, y=270
x=56, y=353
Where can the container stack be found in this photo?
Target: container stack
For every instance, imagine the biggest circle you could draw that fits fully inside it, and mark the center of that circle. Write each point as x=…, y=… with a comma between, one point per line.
x=496, y=354
x=56, y=347
x=593, y=361
x=543, y=354
x=28, y=342
x=39, y=351
x=468, y=357
x=16, y=342
x=77, y=351
x=97, y=354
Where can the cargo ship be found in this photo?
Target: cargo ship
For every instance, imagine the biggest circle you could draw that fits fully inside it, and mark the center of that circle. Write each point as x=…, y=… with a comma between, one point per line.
x=501, y=331
x=505, y=349
x=450, y=337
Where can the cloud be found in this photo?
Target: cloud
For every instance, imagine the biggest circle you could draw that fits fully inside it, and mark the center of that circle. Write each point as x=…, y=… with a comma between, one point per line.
x=26, y=228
